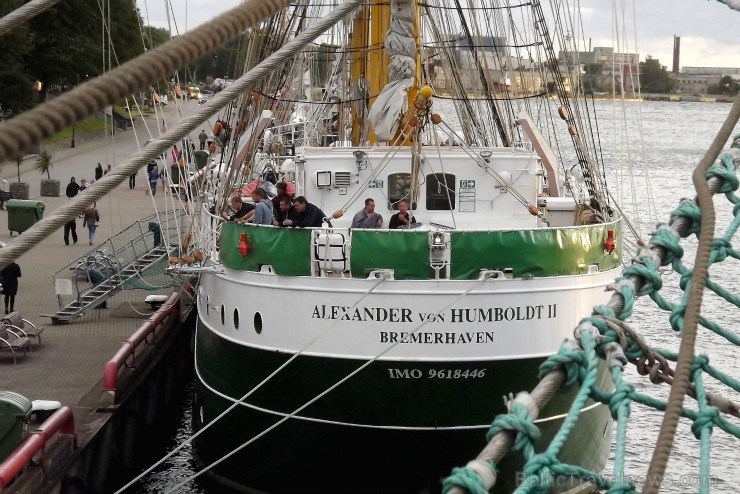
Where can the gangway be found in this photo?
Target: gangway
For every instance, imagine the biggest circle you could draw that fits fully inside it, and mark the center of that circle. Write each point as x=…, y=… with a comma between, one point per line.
x=121, y=262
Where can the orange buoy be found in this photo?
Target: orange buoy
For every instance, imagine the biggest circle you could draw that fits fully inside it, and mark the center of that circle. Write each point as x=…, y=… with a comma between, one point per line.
x=436, y=119
x=413, y=121
x=186, y=241
x=187, y=259
x=198, y=255
x=212, y=148
x=337, y=214
x=572, y=130
x=173, y=260
x=563, y=113
x=217, y=129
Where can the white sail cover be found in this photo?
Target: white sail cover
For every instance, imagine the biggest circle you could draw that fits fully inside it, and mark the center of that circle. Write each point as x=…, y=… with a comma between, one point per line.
x=400, y=44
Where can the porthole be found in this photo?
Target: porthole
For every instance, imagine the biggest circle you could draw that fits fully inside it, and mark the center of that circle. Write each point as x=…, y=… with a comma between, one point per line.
x=223, y=315
x=208, y=305
x=258, y=322
x=236, y=318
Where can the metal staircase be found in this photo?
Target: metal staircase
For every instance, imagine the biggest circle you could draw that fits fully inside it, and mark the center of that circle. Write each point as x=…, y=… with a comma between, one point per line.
x=119, y=263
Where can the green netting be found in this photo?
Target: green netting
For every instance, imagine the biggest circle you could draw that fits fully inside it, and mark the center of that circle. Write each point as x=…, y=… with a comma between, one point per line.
x=550, y=252
x=287, y=250
x=404, y=251
x=605, y=337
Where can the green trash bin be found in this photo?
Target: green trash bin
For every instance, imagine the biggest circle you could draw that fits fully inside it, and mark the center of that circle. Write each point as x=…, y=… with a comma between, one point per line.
x=15, y=413
x=23, y=214
x=201, y=159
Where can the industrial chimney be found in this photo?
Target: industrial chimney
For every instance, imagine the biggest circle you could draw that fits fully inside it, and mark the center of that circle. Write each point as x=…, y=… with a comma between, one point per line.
x=676, y=53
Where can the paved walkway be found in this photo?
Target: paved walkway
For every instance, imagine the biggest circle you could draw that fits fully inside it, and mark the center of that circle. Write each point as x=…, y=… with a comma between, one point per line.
x=71, y=358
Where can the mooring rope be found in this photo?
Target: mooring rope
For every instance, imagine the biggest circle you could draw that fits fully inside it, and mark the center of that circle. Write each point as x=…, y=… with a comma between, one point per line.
x=121, y=173
x=24, y=13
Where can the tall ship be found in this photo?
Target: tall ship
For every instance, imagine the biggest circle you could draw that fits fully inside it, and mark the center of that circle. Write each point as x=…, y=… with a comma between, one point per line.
x=450, y=225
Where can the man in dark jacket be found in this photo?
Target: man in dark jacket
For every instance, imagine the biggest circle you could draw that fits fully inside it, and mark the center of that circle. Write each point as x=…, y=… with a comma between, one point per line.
x=285, y=211
x=307, y=215
x=72, y=188
x=10, y=275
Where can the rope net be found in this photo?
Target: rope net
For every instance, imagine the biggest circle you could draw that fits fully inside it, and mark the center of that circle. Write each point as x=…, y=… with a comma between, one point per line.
x=605, y=339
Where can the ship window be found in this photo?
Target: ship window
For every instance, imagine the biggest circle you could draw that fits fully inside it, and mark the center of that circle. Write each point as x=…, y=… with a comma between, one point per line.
x=440, y=192
x=399, y=188
x=258, y=322
x=236, y=318
x=223, y=314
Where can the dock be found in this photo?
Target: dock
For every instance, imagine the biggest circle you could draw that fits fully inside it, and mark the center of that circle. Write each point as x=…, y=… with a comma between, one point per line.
x=68, y=366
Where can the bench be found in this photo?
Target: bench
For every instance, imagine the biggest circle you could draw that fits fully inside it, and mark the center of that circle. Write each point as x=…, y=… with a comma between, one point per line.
x=24, y=327
x=12, y=340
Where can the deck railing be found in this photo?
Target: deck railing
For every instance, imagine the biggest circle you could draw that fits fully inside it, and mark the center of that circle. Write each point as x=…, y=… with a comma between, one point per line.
x=129, y=346
x=61, y=422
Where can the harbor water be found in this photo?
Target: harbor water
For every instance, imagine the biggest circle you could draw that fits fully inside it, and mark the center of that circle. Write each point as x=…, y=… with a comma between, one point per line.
x=674, y=138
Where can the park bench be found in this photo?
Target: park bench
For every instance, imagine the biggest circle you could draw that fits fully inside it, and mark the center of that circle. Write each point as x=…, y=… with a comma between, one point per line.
x=23, y=327
x=12, y=340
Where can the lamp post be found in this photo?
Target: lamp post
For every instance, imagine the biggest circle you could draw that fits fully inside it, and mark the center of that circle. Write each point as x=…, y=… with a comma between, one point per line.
x=73, y=137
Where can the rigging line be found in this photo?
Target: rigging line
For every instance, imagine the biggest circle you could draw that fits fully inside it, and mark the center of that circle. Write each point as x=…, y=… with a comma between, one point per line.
x=483, y=278
x=15, y=136
x=483, y=9
x=264, y=381
x=24, y=13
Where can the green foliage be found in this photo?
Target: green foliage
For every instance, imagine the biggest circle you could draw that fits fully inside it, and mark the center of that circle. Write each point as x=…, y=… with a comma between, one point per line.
x=654, y=78
x=15, y=81
x=727, y=85
x=155, y=36
x=43, y=163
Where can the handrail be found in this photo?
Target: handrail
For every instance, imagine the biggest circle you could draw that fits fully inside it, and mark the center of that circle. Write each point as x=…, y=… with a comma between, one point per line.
x=128, y=347
x=62, y=421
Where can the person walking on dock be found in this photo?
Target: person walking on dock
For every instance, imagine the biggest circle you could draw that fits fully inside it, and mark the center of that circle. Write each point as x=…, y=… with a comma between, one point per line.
x=10, y=275
x=153, y=177
x=72, y=188
x=92, y=221
x=98, y=171
x=132, y=181
x=70, y=226
x=202, y=137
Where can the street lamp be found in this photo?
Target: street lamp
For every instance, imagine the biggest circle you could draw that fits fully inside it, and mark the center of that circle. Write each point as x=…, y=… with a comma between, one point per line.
x=73, y=137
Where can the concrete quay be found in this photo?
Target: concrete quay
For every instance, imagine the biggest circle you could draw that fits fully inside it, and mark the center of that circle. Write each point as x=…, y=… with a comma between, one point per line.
x=68, y=366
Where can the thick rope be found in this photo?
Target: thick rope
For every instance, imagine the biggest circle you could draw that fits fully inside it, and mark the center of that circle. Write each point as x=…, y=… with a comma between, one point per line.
x=44, y=121
x=121, y=173
x=23, y=14
x=667, y=433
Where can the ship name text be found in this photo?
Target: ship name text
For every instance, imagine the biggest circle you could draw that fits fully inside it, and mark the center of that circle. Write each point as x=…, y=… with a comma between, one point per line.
x=453, y=315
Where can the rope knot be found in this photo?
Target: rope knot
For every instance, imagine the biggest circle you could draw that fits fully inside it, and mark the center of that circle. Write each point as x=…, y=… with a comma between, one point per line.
x=721, y=248
x=668, y=238
x=520, y=421
x=724, y=169
x=705, y=419
x=570, y=358
x=677, y=316
x=700, y=362
x=465, y=478
x=690, y=211
x=621, y=399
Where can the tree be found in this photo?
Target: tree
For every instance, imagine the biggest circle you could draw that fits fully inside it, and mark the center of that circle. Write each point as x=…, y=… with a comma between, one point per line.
x=15, y=80
x=727, y=85
x=44, y=164
x=654, y=78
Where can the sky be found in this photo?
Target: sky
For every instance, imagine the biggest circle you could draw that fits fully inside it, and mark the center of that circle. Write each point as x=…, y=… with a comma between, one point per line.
x=706, y=27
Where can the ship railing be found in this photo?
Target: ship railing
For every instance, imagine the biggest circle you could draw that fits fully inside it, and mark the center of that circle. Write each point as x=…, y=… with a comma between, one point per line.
x=112, y=256
x=212, y=230
x=61, y=422
x=144, y=336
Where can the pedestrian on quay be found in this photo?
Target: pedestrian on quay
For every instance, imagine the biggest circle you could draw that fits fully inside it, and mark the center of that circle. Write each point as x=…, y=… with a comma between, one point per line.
x=70, y=227
x=10, y=275
x=202, y=137
x=132, y=181
x=98, y=171
x=153, y=177
x=83, y=184
x=107, y=169
x=72, y=188
x=92, y=221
